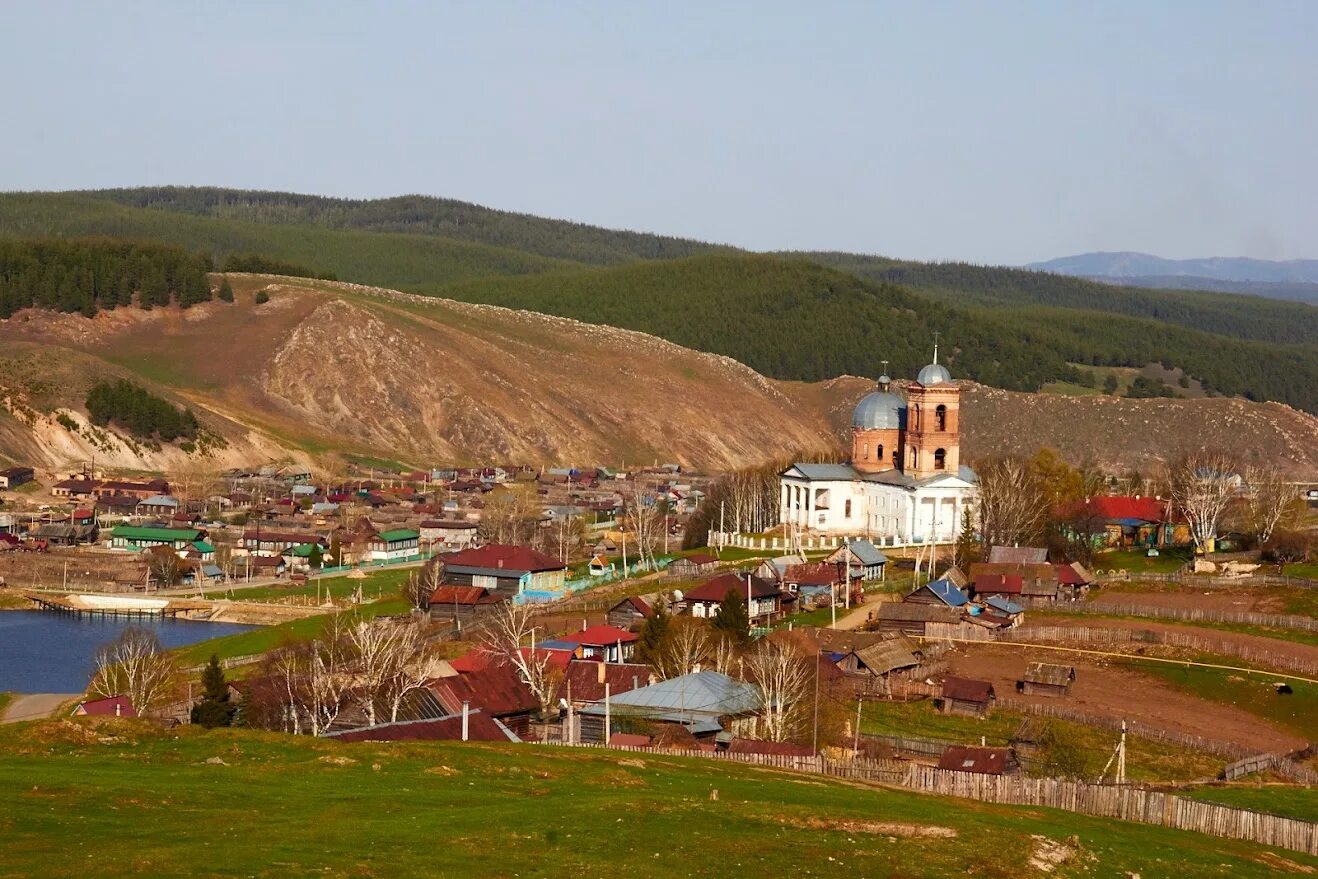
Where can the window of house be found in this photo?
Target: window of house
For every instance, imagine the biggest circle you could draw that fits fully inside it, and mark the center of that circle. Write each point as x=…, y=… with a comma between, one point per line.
x=846, y=508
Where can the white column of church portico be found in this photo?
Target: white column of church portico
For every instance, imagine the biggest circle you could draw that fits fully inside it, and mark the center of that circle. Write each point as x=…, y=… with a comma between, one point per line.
x=784, y=504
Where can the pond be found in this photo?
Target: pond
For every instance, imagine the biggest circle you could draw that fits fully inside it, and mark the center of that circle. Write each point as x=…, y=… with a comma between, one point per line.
x=51, y=652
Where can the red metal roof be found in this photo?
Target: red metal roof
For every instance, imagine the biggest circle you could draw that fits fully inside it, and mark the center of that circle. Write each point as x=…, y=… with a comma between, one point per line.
x=814, y=574
x=600, y=636
x=717, y=588
x=628, y=740
x=583, y=677
x=505, y=556
x=479, y=659
x=497, y=689
x=1148, y=509
x=110, y=706
x=998, y=584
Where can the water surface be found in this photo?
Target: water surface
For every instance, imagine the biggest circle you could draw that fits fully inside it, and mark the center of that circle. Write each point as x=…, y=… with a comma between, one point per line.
x=49, y=652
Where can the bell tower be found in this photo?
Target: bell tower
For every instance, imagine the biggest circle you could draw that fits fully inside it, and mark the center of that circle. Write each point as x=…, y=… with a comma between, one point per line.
x=933, y=435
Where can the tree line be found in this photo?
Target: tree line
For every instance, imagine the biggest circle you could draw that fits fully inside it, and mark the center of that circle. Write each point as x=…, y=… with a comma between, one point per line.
x=139, y=411
x=88, y=275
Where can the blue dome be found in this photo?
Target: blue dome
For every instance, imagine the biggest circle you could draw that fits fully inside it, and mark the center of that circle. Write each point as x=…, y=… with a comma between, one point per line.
x=933, y=374
x=879, y=411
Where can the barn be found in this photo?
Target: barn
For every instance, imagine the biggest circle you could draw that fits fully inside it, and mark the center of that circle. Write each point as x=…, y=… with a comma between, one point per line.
x=966, y=696
x=1046, y=679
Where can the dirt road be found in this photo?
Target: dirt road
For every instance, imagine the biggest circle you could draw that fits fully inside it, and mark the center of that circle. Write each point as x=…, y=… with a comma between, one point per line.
x=35, y=706
x=1124, y=693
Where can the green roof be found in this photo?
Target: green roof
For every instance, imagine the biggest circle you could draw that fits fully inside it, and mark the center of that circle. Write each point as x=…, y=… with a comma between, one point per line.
x=202, y=546
x=134, y=532
x=399, y=534
x=304, y=550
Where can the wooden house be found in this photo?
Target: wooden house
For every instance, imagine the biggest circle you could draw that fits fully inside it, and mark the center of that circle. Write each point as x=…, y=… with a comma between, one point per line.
x=495, y=689
x=966, y=696
x=601, y=643
x=1018, y=555
x=697, y=564
x=938, y=593
x=1046, y=679
x=13, y=477
x=764, y=600
x=630, y=613
x=463, y=604
x=505, y=569
x=912, y=618
x=1029, y=581
x=863, y=559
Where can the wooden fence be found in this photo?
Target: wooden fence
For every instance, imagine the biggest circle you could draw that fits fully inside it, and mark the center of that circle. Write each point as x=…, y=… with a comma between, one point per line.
x=1276, y=659
x=1188, y=614
x=1122, y=802
x=1279, y=763
x=1208, y=581
x=1220, y=747
x=1104, y=801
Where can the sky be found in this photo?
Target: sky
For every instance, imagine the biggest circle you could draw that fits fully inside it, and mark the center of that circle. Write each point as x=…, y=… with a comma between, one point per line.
x=996, y=133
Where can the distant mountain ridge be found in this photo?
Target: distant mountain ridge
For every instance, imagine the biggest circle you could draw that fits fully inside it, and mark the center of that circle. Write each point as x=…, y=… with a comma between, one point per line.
x=1145, y=267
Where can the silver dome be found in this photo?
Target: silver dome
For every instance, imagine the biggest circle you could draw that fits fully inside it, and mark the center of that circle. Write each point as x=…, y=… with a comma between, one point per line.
x=880, y=410
x=933, y=374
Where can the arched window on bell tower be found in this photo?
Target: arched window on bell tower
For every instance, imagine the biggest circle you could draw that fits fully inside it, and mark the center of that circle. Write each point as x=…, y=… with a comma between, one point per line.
x=940, y=459
x=866, y=454
x=879, y=455
x=940, y=416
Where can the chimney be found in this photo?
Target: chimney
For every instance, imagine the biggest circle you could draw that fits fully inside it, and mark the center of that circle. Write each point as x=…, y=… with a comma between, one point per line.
x=583, y=624
x=695, y=668
x=466, y=712
x=118, y=708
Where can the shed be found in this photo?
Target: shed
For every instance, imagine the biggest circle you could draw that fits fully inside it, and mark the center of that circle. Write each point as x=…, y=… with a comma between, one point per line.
x=912, y=619
x=981, y=761
x=1046, y=679
x=938, y=592
x=966, y=696
x=629, y=613
x=695, y=565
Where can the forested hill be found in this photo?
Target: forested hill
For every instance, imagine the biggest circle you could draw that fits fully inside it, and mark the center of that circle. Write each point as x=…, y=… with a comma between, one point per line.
x=415, y=214
x=791, y=318
x=1227, y=314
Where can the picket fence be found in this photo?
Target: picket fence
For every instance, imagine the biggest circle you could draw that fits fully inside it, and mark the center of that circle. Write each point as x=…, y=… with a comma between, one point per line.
x=1122, y=802
x=1275, y=659
x=1105, y=801
x=1279, y=763
x=1187, y=614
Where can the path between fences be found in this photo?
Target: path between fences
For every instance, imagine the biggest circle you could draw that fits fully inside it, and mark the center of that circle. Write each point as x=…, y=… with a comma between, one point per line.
x=1122, y=802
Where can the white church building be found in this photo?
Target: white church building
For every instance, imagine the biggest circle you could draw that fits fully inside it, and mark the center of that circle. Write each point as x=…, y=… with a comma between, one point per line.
x=905, y=482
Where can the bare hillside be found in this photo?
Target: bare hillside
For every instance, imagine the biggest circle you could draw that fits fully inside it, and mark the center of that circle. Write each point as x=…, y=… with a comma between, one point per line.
x=326, y=368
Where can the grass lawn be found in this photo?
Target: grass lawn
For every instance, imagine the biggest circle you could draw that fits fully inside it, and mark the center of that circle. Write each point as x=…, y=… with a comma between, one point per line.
x=1135, y=561
x=1145, y=760
x=1295, y=636
x=136, y=800
x=269, y=637
x=1292, y=801
x=1297, y=712
x=382, y=583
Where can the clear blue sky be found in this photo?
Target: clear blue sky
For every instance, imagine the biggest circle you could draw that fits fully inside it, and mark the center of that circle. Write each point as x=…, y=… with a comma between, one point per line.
x=993, y=132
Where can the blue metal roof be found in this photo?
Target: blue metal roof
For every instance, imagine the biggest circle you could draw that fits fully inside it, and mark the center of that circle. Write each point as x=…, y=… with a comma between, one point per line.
x=947, y=592
x=997, y=602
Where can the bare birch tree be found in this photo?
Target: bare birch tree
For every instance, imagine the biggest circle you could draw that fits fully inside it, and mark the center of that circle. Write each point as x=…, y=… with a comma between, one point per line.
x=509, y=635
x=135, y=665
x=687, y=646
x=414, y=664
x=1202, y=486
x=420, y=585
x=1011, y=506
x=1269, y=501
x=783, y=676
x=390, y=661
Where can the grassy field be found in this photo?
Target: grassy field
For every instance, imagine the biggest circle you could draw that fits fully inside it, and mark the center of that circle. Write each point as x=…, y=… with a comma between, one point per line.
x=1289, y=800
x=1297, y=712
x=1145, y=760
x=5, y=699
x=269, y=637
x=1135, y=561
x=146, y=802
x=377, y=584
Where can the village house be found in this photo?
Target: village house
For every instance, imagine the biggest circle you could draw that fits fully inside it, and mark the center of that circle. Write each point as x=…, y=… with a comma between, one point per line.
x=820, y=584
x=109, y=706
x=463, y=604
x=1017, y=555
x=262, y=541
x=447, y=533
x=703, y=704
x=13, y=477
x=1031, y=581
x=469, y=725
x=966, y=696
x=505, y=569
x=764, y=601
x=159, y=505
x=117, y=505
x=911, y=618
x=393, y=545
x=862, y=558
x=1046, y=679
x=584, y=681
x=75, y=489
x=698, y=564
x=629, y=613
x=495, y=689
x=601, y=643
x=1126, y=521
x=938, y=592
x=133, y=537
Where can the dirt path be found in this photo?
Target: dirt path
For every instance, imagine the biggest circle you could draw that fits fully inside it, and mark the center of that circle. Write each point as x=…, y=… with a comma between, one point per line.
x=35, y=706
x=1124, y=693
x=860, y=614
x=1307, y=652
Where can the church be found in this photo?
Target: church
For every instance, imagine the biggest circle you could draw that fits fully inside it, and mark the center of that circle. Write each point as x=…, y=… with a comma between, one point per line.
x=905, y=482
